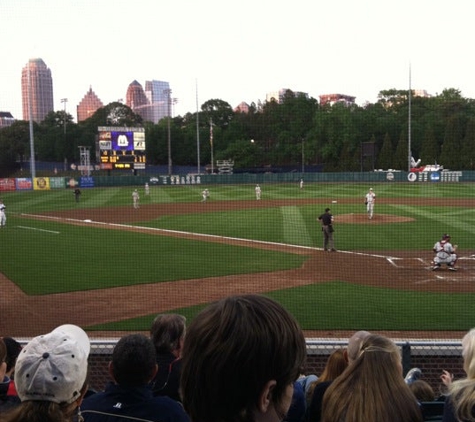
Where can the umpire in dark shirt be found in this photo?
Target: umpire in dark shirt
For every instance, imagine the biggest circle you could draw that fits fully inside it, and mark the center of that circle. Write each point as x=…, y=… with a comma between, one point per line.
x=326, y=220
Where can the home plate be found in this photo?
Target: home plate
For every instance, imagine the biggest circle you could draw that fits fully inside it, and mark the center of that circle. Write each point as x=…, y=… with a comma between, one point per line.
x=334, y=202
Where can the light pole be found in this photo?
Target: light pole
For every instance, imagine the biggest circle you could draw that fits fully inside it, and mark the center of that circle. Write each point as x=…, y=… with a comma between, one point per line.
x=64, y=101
x=211, y=144
x=169, y=140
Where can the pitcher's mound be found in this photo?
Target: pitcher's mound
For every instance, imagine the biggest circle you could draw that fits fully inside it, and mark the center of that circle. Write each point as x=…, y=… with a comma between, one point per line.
x=377, y=219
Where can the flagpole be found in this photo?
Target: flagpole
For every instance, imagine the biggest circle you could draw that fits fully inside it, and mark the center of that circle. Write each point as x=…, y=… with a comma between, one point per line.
x=197, y=131
x=211, y=144
x=409, y=154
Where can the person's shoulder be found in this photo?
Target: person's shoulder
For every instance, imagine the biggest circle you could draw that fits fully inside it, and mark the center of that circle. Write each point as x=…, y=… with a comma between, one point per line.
x=168, y=408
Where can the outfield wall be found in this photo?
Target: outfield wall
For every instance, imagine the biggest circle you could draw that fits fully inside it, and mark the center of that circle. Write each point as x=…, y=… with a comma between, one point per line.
x=47, y=183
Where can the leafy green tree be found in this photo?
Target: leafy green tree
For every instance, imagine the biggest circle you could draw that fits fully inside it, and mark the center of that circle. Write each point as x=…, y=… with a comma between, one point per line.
x=385, y=156
x=14, y=146
x=401, y=156
x=452, y=146
x=467, y=156
x=430, y=148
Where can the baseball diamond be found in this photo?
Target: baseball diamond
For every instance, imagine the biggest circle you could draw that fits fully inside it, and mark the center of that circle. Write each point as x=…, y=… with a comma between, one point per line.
x=405, y=270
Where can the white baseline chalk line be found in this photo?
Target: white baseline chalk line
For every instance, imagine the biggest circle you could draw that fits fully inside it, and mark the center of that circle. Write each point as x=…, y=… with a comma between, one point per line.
x=38, y=230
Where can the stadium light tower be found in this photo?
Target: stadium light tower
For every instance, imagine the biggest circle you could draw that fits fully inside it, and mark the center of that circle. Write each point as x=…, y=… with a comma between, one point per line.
x=64, y=101
x=169, y=138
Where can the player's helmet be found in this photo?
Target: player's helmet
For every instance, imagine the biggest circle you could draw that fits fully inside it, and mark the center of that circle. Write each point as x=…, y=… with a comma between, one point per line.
x=445, y=237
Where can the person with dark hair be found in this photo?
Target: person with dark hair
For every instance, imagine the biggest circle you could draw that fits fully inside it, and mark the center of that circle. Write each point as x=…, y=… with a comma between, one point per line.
x=6, y=401
x=129, y=396
x=51, y=377
x=241, y=358
x=13, y=350
x=168, y=335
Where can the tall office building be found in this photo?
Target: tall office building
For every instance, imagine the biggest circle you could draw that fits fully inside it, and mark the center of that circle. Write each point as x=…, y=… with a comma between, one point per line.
x=153, y=103
x=37, y=86
x=88, y=105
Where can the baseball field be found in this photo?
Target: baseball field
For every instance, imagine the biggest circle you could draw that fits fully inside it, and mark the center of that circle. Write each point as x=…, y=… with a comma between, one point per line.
x=111, y=268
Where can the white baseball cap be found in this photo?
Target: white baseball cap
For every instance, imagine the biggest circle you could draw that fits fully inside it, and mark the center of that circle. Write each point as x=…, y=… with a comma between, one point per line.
x=53, y=367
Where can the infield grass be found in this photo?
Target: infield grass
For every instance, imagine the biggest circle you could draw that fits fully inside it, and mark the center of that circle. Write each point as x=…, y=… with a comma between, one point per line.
x=44, y=257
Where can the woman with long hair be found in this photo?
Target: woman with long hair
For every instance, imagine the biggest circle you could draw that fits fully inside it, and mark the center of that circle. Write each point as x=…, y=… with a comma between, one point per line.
x=372, y=388
x=460, y=401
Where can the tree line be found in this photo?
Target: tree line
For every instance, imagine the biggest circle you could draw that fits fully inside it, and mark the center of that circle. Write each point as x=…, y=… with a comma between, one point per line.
x=297, y=131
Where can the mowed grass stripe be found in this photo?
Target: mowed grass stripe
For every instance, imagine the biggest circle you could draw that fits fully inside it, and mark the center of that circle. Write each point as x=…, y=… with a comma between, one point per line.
x=294, y=228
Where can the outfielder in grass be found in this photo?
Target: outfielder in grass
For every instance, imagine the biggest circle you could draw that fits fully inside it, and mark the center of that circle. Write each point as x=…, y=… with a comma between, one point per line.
x=445, y=253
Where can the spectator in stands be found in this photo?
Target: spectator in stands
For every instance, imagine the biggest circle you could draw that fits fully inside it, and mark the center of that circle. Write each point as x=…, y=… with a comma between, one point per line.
x=372, y=388
x=241, y=358
x=297, y=407
x=129, y=396
x=51, y=377
x=168, y=335
x=422, y=390
x=13, y=350
x=314, y=410
x=460, y=401
x=336, y=364
x=6, y=401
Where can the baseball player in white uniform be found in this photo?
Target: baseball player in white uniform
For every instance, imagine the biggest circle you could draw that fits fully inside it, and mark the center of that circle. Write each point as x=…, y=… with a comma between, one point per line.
x=301, y=184
x=369, y=201
x=444, y=253
x=147, y=189
x=205, y=195
x=3, y=216
x=258, y=192
x=135, y=198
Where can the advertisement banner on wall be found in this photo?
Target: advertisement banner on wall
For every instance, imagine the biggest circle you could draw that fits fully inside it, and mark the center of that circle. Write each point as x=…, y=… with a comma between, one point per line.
x=41, y=183
x=24, y=183
x=7, y=185
x=57, y=182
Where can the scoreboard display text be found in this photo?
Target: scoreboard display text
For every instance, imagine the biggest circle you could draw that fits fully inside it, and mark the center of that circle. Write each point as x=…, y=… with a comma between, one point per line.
x=122, y=148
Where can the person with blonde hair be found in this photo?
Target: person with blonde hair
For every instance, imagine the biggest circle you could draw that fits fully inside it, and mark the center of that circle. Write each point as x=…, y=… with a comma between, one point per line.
x=350, y=354
x=372, y=388
x=460, y=401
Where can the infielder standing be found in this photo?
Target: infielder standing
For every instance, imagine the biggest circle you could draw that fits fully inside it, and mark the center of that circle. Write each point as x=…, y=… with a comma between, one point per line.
x=147, y=189
x=444, y=253
x=3, y=216
x=205, y=195
x=135, y=198
x=369, y=201
x=258, y=192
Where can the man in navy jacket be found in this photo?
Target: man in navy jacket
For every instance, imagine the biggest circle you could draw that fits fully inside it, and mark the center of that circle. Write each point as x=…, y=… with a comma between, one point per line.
x=130, y=396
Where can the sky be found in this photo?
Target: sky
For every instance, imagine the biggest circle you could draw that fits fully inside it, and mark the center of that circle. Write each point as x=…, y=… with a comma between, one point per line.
x=236, y=51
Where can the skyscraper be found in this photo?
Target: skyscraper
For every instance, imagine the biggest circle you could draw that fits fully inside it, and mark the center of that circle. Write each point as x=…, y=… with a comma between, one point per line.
x=37, y=87
x=88, y=105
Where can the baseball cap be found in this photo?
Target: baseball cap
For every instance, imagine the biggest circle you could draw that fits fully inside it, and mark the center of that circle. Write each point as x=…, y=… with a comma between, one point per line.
x=53, y=367
x=327, y=209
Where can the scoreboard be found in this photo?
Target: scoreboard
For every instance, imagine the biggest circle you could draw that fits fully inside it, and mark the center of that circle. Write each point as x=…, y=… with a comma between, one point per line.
x=121, y=148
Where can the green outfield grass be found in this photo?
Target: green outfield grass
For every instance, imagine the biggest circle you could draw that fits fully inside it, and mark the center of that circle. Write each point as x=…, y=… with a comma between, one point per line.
x=338, y=306
x=44, y=257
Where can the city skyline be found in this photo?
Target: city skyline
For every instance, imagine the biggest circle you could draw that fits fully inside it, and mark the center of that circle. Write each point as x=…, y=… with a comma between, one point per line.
x=235, y=52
